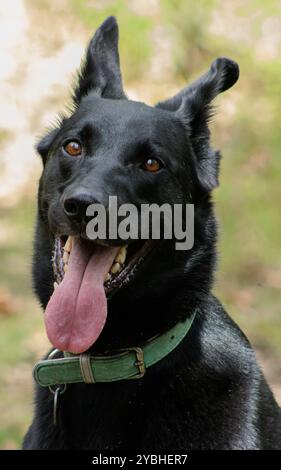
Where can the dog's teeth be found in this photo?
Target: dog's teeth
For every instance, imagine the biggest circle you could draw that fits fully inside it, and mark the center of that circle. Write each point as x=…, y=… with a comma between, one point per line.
x=100, y=242
x=65, y=268
x=55, y=285
x=121, y=255
x=115, y=268
x=68, y=245
x=65, y=256
x=107, y=277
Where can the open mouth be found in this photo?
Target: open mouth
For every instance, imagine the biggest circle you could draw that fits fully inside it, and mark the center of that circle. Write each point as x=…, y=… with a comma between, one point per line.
x=122, y=269
x=86, y=273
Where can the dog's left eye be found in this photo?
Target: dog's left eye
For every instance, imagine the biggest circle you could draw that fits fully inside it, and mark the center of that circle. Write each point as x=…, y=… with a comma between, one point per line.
x=73, y=148
x=152, y=165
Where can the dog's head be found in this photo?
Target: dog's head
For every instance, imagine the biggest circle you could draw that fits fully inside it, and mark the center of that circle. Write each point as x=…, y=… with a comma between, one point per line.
x=112, y=146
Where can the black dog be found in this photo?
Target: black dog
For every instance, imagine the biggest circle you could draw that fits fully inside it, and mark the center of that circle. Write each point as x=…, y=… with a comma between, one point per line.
x=209, y=392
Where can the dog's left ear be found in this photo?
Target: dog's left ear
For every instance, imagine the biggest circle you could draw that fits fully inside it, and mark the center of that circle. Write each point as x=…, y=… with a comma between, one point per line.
x=101, y=69
x=193, y=106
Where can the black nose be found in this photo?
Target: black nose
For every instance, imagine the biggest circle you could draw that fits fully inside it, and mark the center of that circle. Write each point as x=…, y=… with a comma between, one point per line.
x=75, y=207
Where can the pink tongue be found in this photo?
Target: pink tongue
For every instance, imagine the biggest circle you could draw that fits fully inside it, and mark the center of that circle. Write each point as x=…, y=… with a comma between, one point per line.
x=76, y=312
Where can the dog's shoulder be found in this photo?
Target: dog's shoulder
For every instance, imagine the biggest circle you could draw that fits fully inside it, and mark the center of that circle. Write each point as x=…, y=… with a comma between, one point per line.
x=224, y=365
x=225, y=351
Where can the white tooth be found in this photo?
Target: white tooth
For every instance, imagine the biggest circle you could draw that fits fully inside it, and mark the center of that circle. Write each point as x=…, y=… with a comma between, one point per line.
x=55, y=285
x=100, y=242
x=121, y=255
x=68, y=245
x=107, y=277
x=115, y=268
x=65, y=256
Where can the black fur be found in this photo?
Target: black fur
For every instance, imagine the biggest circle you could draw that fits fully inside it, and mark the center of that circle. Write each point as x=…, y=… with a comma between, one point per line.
x=209, y=393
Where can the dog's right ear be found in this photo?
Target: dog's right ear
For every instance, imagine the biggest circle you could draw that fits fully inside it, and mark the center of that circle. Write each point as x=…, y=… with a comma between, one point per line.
x=101, y=69
x=44, y=145
x=193, y=106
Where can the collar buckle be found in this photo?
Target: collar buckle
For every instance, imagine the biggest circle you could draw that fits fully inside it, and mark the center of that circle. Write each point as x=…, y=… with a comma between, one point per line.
x=139, y=361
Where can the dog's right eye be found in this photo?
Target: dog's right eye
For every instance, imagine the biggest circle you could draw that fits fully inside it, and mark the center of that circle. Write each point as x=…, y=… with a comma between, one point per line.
x=152, y=165
x=73, y=148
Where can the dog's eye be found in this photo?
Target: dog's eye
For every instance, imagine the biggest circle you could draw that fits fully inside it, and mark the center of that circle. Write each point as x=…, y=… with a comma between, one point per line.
x=73, y=148
x=152, y=165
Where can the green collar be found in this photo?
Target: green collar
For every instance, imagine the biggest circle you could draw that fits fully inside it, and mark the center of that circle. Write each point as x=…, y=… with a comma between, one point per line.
x=129, y=363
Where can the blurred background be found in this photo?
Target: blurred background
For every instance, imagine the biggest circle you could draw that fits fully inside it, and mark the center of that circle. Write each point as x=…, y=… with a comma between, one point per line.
x=163, y=45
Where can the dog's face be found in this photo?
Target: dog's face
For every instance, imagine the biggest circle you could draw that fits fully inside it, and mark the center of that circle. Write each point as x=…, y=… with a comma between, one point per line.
x=111, y=146
x=114, y=148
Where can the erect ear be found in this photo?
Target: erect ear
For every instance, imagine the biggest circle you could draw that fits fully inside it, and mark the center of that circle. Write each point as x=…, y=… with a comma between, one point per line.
x=101, y=69
x=45, y=144
x=193, y=106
